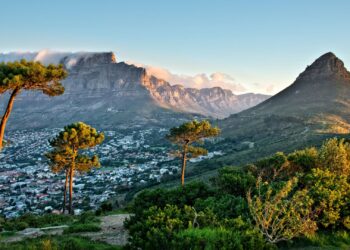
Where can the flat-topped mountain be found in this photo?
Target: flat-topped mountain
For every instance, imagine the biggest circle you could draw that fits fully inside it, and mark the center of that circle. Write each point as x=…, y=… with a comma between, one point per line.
x=100, y=90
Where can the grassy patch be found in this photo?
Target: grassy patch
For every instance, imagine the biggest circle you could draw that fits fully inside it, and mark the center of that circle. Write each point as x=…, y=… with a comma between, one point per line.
x=79, y=228
x=58, y=243
x=117, y=211
x=321, y=241
x=7, y=234
x=36, y=221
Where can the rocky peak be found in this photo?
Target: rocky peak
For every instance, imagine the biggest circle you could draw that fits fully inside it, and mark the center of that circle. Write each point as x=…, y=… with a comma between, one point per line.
x=88, y=59
x=327, y=65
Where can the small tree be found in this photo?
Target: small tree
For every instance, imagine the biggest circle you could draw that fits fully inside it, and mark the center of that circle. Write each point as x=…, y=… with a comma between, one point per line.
x=279, y=213
x=334, y=155
x=23, y=75
x=187, y=134
x=66, y=155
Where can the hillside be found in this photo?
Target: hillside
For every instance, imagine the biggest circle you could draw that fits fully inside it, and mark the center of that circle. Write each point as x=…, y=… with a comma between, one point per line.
x=316, y=106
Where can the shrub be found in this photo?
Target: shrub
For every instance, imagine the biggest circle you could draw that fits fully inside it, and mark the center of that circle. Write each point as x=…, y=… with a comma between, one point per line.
x=207, y=238
x=78, y=228
x=238, y=234
x=234, y=181
x=224, y=206
x=181, y=196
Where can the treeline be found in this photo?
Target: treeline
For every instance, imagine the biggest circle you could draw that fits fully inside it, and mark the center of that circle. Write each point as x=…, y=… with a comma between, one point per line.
x=303, y=196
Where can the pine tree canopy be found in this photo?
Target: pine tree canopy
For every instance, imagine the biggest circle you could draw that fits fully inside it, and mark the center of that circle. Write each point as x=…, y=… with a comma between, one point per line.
x=29, y=75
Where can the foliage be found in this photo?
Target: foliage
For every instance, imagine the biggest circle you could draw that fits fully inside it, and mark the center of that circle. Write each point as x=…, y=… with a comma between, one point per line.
x=156, y=227
x=31, y=76
x=281, y=214
x=58, y=243
x=234, y=181
x=331, y=194
x=334, y=156
x=23, y=75
x=187, y=134
x=224, y=206
x=179, y=196
x=30, y=220
x=323, y=240
x=86, y=227
x=304, y=160
x=66, y=154
x=240, y=235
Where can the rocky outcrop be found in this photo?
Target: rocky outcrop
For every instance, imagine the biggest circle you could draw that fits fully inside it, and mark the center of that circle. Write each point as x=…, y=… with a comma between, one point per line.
x=326, y=66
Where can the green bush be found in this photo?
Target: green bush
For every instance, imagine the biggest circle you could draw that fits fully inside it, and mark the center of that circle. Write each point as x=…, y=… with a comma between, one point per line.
x=87, y=217
x=78, y=228
x=234, y=181
x=224, y=206
x=180, y=196
x=207, y=238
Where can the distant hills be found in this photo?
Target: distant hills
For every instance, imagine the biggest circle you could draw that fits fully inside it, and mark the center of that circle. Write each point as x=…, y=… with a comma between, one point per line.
x=316, y=106
x=102, y=91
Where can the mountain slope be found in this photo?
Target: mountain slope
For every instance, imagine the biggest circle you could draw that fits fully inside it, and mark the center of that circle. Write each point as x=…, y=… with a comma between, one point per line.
x=99, y=90
x=316, y=106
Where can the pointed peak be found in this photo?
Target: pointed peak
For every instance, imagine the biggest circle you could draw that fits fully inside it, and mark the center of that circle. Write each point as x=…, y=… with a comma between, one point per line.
x=328, y=58
x=325, y=66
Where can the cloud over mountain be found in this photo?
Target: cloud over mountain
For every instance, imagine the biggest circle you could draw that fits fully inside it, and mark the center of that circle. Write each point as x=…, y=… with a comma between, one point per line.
x=199, y=81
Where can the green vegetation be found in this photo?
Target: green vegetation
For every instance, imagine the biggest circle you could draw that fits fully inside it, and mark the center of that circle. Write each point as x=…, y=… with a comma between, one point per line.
x=187, y=134
x=66, y=155
x=23, y=75
x=35, y=221
x=78, y=228
x=58, y=243
x=282, y=201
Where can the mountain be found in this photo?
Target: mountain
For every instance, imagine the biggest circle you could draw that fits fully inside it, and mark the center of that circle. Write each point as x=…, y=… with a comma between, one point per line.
x=215, y=102
x=316, y=106
x=102, y=91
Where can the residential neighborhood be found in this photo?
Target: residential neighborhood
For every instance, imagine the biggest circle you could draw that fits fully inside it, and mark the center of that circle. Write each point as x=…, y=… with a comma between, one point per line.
x=129, y=159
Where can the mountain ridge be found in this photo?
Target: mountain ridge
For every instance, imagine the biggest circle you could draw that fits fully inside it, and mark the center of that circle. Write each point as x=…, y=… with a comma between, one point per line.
x=117, y=92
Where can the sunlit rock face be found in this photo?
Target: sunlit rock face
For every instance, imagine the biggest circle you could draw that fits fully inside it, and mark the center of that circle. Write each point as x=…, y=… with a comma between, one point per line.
x=101, y=90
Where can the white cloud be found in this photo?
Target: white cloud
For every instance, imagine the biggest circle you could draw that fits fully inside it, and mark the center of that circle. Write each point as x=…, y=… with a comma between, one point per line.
x=217, y=79
x=46, y=56
x=263, y=88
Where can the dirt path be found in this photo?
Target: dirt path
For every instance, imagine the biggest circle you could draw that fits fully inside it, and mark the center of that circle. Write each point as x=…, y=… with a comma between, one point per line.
x=112, y=231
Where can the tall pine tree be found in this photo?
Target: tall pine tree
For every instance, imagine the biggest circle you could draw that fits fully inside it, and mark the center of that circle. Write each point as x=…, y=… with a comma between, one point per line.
x=67, y=156
x=23, y=75
x=187, y=134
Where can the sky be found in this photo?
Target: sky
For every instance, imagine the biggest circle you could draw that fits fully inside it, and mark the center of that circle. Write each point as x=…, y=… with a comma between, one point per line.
x=258, y=46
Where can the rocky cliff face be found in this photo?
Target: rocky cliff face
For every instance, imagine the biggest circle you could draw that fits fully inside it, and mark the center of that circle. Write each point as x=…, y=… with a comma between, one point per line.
x=215, y=102
x=99, y=89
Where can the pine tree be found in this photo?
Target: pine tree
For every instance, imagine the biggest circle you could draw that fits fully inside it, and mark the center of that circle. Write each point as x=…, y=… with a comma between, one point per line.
x=187, y=134
x=66, y=155
x=23, y=75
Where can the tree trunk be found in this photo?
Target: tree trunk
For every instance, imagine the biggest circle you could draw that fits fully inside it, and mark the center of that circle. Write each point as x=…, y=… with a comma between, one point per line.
x=65, y=192
x=6, y=115
x=71, y=176
x=184, y=159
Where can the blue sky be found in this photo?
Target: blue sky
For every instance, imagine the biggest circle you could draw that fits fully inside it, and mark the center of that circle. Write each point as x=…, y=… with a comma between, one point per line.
x=258, y=43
